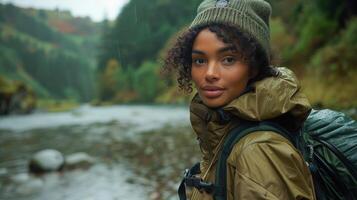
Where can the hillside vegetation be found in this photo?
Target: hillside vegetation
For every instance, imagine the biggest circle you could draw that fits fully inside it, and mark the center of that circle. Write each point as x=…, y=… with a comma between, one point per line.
x=57, y=57
x=51, y=52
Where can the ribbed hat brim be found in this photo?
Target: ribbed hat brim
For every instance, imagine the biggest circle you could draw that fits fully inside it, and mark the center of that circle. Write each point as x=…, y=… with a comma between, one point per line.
x=233, y=17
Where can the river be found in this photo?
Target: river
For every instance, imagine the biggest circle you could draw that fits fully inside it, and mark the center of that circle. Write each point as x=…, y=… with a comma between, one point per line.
x=110, y=134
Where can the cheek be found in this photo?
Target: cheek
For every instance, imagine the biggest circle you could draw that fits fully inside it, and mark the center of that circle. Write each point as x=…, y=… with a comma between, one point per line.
x=238, y=78
x=196, y=75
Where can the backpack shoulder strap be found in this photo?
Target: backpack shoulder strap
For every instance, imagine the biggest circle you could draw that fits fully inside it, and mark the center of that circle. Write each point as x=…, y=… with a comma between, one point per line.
x=244, y=128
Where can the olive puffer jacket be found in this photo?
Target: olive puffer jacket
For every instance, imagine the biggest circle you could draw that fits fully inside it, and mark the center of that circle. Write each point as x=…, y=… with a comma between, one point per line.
x=263, y=164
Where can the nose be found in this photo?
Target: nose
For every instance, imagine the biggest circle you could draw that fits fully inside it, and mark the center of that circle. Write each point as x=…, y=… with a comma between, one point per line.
x=212, y=73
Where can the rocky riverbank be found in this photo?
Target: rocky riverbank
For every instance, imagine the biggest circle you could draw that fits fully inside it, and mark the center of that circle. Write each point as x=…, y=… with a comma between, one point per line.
x=159, y=157
x=144, y=164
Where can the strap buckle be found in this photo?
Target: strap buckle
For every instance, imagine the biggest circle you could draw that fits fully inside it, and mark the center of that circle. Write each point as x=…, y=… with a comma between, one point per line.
x=192, y=181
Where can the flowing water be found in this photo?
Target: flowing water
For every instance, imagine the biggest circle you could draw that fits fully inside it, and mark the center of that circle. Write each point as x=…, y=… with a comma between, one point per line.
x=101, y=132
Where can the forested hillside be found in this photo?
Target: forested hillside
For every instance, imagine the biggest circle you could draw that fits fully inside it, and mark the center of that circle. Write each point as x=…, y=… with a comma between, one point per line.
x=50, y=52
x=53, y=55
x=131, y=47
x=317, y=39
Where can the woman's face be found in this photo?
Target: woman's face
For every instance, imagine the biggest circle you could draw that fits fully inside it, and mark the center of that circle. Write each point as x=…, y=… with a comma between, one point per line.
x=217, y=71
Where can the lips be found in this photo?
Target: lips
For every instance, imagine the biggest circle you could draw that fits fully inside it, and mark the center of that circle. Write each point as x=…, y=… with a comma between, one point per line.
x=212, y=91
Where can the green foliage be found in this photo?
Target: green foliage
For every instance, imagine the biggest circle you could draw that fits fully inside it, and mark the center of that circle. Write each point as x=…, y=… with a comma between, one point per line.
x=142, y=29
x=281, y=39
x=54, y=64
x=339, y=58
x=135, y=39
x=71, y=94
x=15, y=97
x=147, y=82
x=52, y=105
x=107, y=49
x=317, y=31
x=320, y=45
x=330, y=69
x=22, y=75
x=349, y=36
x=283, y=8
x=8, y=58
x=316, y=24
x=110, y=80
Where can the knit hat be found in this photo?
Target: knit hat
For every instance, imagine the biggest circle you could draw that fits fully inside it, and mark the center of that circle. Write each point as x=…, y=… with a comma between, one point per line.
x=250, y=16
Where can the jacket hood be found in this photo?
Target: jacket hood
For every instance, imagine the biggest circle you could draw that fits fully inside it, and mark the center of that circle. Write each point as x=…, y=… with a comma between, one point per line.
x=274, y=98
x=271, y=98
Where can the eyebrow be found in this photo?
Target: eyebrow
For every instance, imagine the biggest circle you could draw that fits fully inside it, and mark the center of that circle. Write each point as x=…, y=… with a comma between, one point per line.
x=197, y=52
x=228, y=48
x=222, y=50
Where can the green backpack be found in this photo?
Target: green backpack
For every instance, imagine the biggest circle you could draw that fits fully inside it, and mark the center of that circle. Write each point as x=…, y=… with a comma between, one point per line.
x=328, y=142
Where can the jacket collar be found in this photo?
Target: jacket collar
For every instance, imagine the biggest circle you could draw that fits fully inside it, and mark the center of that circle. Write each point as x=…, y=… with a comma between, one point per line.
x=270, y=98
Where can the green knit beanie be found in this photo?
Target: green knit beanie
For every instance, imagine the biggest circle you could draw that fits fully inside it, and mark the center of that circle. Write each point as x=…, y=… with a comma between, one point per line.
x=250, y=16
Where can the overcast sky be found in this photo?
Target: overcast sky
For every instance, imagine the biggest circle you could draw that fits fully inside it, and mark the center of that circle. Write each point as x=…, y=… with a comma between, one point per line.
x=95, y=9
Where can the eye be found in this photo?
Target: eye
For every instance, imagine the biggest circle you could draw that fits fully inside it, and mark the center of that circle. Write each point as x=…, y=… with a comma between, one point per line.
x=229, y=60
x=198, y=61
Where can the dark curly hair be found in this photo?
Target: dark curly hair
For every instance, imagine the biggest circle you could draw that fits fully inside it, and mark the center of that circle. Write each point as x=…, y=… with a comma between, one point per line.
x=179, y=59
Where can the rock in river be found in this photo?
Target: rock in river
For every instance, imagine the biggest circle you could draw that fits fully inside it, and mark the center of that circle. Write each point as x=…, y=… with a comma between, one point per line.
x=78, y=160
x=47, y=160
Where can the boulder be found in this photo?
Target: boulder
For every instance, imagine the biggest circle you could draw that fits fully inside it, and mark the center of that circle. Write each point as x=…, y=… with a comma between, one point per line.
x=48, y=160
x=79, y=160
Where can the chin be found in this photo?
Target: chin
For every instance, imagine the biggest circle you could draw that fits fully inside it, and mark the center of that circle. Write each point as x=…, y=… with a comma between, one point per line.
x=214, y=103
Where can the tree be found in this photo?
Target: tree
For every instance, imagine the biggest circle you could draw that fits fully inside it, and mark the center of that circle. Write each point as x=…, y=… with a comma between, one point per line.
x=109, y=80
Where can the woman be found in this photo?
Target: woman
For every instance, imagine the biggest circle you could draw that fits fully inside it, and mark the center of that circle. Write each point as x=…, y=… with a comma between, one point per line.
x=226, y=54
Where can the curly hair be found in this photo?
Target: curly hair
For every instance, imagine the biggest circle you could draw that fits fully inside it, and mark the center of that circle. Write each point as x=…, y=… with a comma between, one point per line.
x=179, y=59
